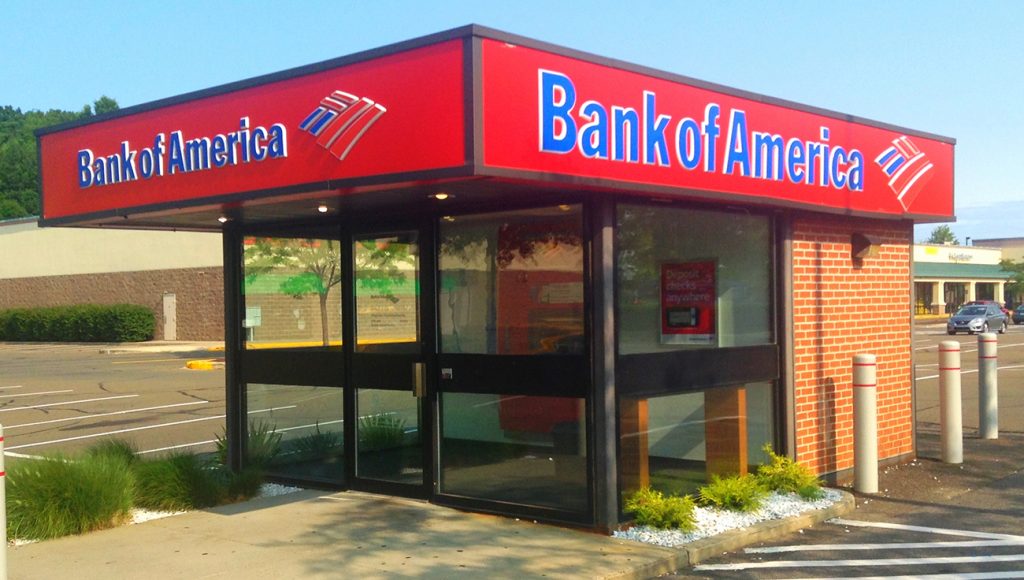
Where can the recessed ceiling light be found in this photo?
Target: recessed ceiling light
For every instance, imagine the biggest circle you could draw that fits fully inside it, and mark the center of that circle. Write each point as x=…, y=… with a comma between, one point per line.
x=222, y=219
x=441, y=195
x=448, y=218
x=322, y=208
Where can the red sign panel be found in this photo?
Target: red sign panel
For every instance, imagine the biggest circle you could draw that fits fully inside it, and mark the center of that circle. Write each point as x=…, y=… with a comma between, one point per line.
x=689, y=300
x=558, y=115
x=398, y=113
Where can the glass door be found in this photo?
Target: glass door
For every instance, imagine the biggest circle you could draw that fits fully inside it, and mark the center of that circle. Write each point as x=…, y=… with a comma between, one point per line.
x=389, y=356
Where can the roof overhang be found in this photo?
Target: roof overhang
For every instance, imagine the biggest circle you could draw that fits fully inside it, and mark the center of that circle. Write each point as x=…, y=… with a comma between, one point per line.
x=490, y=113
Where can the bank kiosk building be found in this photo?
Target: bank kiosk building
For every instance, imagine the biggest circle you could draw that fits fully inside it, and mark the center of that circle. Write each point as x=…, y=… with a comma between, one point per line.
x=512, y=277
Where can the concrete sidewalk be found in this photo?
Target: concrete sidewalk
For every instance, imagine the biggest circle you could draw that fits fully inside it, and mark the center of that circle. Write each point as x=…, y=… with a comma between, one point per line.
x=314, y=534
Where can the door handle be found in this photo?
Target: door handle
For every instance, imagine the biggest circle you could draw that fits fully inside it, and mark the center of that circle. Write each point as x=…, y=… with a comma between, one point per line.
x=419, y=380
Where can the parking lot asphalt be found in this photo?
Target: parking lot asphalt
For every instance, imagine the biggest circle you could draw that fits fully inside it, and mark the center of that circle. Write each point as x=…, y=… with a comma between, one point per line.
x=313, y=534
x=65, y=397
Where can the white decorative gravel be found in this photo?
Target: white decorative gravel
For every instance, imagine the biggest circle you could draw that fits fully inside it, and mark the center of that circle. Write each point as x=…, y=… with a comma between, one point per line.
x=266, y=490
x=711, y=521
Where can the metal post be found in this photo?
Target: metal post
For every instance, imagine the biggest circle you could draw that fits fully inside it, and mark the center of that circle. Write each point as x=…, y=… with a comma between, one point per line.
x=988, y=386
x=865, y=424
x=3, y=508
x=951, y=432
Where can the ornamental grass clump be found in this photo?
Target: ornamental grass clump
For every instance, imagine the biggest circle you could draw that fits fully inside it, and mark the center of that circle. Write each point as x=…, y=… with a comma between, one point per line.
x=736, y=493
x=652, y=508
x=56, y=496
x=785, y=475
x=179, y=482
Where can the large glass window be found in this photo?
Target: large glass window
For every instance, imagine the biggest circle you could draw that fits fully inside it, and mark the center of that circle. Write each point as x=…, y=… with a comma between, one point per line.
x=291, y=291
x=512, y=282
x=673, y=443
x=517, y=449
x=691, y=278
x=305, y=424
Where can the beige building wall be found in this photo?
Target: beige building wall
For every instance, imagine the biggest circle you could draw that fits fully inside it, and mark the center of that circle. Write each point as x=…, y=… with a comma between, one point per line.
x=957, y=254
x=66, y=266
x=1012, y=248
x=30, y=251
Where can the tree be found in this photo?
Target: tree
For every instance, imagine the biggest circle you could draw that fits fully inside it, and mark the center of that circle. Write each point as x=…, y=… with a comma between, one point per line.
x=314, y=266
x=19, y=165
x=1015, y=285
x=942, y=235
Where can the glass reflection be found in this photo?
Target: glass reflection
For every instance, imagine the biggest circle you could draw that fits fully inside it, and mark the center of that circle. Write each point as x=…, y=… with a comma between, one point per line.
x=518, y=449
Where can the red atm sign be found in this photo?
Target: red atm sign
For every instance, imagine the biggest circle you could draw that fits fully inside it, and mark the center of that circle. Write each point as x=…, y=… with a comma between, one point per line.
x=558, y=115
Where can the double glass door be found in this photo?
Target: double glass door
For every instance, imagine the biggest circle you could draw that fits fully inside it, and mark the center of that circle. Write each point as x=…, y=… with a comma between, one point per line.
x=442, y=359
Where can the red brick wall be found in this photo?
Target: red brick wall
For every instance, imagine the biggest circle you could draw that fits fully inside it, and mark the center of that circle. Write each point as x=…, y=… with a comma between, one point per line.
x=199, y=295
x=842, y=308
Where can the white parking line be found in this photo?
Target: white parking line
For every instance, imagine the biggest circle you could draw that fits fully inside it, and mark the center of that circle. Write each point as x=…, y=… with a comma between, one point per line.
x=12, y=387
x=9, y=427
x=133, y=429
x=925, y=529
x=851, y=563
x=118, y=432
x=972, y=371
x=6, y=410
x=893, y=546
x=39, y=393
x=198, y=443
x=959, y=576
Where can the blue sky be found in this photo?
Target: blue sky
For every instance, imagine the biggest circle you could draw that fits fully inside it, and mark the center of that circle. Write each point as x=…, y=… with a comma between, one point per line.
x=952, y=68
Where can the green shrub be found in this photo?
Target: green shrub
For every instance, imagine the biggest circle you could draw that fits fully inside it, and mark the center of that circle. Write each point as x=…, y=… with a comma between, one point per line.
x=318, y=445
x=736, y=493
x=381, y=431
x=56, y=497
x=262, y=445
x=118, y=449
x=785, y=475
x=80, y=323
x=652, y=508
x=178, y=482
x=245, y=484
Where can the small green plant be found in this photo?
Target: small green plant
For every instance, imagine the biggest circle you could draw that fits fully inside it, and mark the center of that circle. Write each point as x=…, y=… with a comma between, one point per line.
x=735, y=493
x=382, y=431
x=262, y=445
x=652, y=508
x=319, y=444
x=56, y=497
x=243, y=485
x=785, y=475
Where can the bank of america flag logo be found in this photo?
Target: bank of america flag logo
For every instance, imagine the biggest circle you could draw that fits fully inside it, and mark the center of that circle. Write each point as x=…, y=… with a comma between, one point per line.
x=908, y=169
x=341, y=120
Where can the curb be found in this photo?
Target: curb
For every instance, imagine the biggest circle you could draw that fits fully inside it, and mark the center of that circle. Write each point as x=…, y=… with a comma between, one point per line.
x=700, y=550
x=205, y=364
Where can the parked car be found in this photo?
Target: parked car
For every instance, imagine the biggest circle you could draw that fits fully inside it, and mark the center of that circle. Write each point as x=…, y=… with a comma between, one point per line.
x=1018, y=314
x=1005, y=310
x=974, y=318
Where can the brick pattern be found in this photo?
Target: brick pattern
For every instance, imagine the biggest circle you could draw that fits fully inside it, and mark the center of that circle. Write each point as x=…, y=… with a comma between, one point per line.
x=843, y=307
x=199, y=295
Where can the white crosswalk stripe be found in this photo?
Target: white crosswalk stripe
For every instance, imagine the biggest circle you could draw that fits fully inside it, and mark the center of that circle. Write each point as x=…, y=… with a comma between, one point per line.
x=977, y=556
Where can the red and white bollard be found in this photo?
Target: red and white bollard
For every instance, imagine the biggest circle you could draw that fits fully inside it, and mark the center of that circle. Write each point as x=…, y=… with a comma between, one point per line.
x=3, y=507
x=988, y=387
x=865, y=424
x=951, y=421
